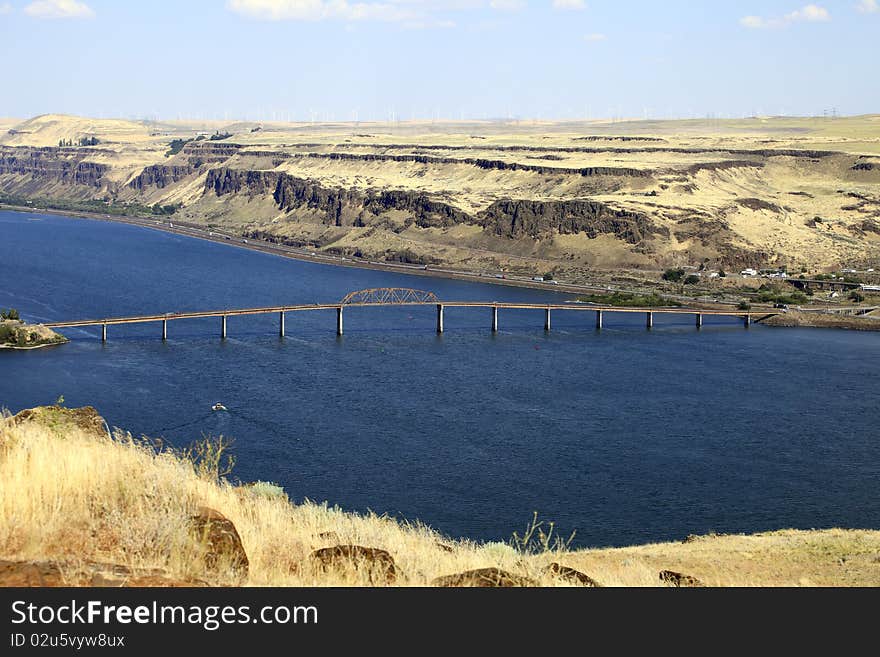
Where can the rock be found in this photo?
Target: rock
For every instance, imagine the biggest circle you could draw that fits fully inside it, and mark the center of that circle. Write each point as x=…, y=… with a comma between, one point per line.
x=59, y=419
x=672, y=578
x=24, y=573
x=537, y=219
x=484, y=578
x=51, y=164
x=160, y=176
x=53, y=574
x=564, y=572
x=379, y=564
x=221, y=541
x=506, y=218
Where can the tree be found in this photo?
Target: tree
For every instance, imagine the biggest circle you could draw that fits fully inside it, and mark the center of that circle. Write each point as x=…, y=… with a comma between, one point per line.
x=856, y=296
x=692, y=279
x=744, y=305
x=673, y=275
x=12, y=313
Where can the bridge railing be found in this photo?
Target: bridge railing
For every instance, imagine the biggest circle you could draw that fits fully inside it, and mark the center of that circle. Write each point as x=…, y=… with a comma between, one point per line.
x=381, y=296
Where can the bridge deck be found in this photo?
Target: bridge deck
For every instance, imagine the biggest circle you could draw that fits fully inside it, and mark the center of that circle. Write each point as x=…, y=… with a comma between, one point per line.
x=230, y=312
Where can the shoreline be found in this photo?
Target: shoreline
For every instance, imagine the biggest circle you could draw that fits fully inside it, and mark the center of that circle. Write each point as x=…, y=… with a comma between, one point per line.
x=35, y=346
x=294, y=253
x=822, y=321
x=66, y=450
x=304, y=255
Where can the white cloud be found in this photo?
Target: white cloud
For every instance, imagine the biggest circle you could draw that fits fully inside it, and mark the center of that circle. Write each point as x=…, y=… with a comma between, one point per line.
x=314, y=10
x=569, y=4
x=5, y=8
x=752, y=21
x=595, y=37
x=810, y=13
x=411, y=14
x=508, y=5
x=807, y=14
x=868, y=6
x=59, y=9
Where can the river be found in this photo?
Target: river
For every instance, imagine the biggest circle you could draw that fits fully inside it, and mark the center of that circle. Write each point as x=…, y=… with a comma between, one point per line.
x=623, y=435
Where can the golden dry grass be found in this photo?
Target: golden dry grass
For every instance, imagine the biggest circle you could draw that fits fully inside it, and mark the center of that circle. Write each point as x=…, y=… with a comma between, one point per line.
x=74, y=495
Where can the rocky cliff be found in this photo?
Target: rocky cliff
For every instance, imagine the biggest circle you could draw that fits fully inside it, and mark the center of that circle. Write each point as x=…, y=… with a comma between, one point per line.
x=65, y=165
x=161, y=176
x=499, y=165
x=537, y=219
x=511, y=219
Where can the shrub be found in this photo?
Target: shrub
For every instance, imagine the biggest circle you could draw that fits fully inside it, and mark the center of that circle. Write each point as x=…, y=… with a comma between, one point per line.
x=539, y=536
x=744, y=305
x=692, y=279
x=210, y=458
x=11, y=313
x=267, y=490
x=673, y=275
x=768, y=295
x=176, y=146
x=627, y=299
x=856, y=296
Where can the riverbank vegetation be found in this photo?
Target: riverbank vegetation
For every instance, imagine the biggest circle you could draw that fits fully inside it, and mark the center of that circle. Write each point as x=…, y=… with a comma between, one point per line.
x=629, y=300
x=869, y=322
x=16, y=334
x=89, y=206
x=81, y=506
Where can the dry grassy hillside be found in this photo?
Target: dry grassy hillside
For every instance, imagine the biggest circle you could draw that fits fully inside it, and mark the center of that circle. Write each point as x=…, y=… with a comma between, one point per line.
x=80, y=507
x=570, y=197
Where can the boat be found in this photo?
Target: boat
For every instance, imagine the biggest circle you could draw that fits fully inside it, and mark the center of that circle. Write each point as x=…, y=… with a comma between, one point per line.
x=218, y=407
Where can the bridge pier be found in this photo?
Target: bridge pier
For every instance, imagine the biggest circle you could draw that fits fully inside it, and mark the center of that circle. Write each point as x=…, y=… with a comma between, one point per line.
x=164, y=329
x=598, y=319
x=494, y=319
x=649, y=319
x=339, y=321
x=439, y=318
x=699, y=320
x=747, y=321
x=223, y=327
x=103, y=333
x=281, y=324
x=547, y=319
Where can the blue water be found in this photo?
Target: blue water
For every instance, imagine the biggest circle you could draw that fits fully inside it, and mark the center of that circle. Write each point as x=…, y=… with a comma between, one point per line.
x=624, y=435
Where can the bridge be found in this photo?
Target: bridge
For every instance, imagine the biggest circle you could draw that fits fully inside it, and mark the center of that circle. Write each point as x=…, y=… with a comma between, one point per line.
x=378, y=297
x=835, y=285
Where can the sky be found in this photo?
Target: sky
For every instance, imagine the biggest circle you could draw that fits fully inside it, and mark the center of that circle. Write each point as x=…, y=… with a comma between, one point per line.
x=334, y=60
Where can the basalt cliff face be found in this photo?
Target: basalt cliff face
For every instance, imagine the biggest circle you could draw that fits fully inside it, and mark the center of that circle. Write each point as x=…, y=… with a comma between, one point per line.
x=161, y=176
x=528, y=200
x=507, y=218
x=541, y=219
x=49, y=164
